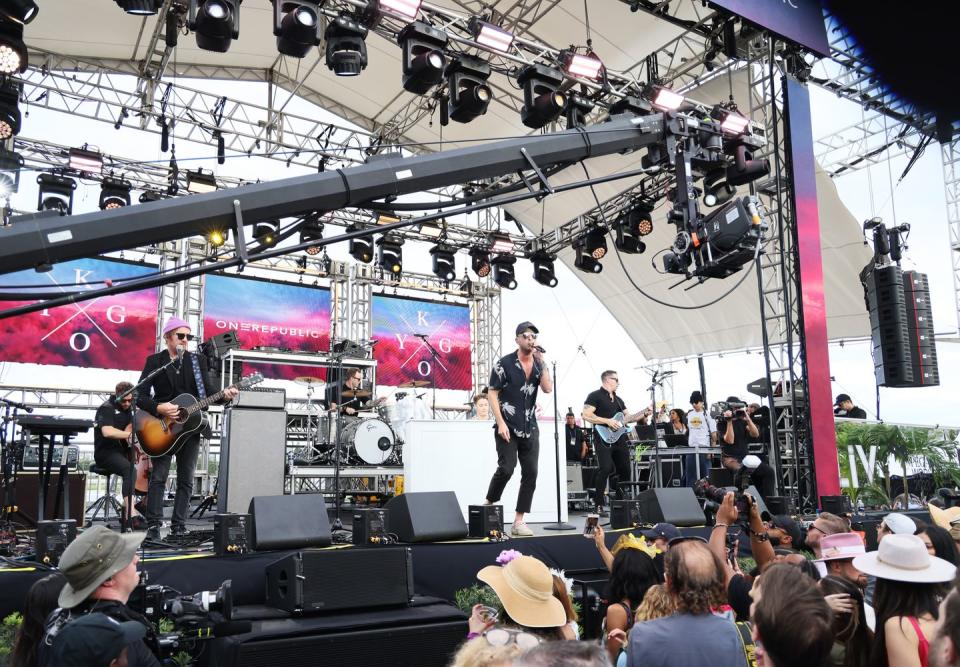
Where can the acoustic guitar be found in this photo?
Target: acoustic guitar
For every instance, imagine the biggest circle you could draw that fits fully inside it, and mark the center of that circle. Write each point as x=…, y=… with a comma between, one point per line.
x=609, y=436
x=159, y=436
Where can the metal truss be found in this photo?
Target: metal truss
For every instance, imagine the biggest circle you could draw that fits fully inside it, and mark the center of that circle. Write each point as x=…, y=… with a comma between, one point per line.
x=950, y=153
x=872, y=141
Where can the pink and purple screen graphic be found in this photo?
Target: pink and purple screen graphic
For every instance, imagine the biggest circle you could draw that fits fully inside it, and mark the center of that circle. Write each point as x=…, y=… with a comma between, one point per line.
x=402, y=356
x=105, y=332
x=269, y=314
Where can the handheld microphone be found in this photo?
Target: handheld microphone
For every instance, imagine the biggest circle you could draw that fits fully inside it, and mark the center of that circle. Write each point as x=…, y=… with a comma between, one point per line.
x=539, y=348
x=372, y=342
x=180, y=351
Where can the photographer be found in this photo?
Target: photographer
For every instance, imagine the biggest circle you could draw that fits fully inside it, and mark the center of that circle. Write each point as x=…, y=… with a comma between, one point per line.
x=100, y=567
x=737, y=427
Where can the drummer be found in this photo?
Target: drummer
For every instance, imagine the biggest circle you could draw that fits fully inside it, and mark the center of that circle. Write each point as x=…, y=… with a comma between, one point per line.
x=349, y=396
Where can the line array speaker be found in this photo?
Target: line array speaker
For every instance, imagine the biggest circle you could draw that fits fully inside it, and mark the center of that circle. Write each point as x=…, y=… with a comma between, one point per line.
x=888, y=327
x=923, y=348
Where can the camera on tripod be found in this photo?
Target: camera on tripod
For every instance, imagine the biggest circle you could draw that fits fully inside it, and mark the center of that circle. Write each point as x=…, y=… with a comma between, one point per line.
x=717, y=409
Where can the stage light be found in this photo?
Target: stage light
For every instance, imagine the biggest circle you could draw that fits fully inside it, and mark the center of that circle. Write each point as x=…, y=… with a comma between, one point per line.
x=444, y=263
x=667, y=100
x=503, y=273
x=632, y=225
x=9, y=109
x=636, y=106
x=716, y=189
x=13, y=52
x=500, y=243
x=577, y=110
x=423, y=59
x=361, y=248
x=542, y=100
x=85, y=161
x=296, y=25
x=218, y=237
x=584, y=66
x=386, y=218
x=140, y=7
x=21, y=11
x=390, y=254
x=595, y=242
x=744, y=168
x=406, y=8
x=10, y=165
x=543, y=268
x=265, y=233
x=148, y=196
x=480, y=261
x=311, y=230
x=584, y=259
x=730, y=121
x=114, y=193
x=346, y=46
x=491, y=36
x=216, y=23
x=200, y=182
x=55, y=193
x=469, y=93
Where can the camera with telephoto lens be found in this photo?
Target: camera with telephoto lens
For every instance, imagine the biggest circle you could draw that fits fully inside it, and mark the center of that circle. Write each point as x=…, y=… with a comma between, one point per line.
x=714, y=496
x=717, y=409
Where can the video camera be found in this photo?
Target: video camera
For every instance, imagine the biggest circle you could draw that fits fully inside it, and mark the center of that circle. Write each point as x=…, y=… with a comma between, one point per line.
x=717, y=409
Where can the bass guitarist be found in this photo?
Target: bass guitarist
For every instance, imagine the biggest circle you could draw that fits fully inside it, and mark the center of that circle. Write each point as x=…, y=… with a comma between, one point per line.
x=604, y=408
x=186, y=375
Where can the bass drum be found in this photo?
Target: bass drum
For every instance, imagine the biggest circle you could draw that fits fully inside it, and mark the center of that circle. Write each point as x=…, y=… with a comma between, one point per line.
x=371, y=440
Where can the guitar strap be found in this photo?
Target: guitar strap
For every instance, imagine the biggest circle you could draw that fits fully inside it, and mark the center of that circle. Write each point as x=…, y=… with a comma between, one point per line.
x=201, y=388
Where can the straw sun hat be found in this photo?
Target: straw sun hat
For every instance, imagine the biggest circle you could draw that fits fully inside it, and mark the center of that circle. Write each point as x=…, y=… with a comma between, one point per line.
x=525, y=587
x=905, y=558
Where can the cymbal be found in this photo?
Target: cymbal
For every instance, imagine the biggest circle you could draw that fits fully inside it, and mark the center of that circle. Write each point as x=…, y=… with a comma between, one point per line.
x=414, y=383
x=356, y=393
x=308, y=380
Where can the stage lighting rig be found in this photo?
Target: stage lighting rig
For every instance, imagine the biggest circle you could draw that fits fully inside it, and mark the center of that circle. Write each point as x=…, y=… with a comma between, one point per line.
x=114, y=193
x=469, y=93
x=503, y=273
x=21, y=11
x=265, y=233
x=490, y=35
x=408, y=9
x=595, y=242
x=311, y=230
x=148, y=196
x=583, y=259
x=361, y=248
x=85, y=161
x=542, y=100
x=543, y=268
x=500, y=243
x=200, y=182
x=744, y=168
x=578, y=108
x=633, y=224
x=636, y=106
x=296, y=24
x=390, y=253
x=217, y=237
x=13, y=52
x=716, y=189
x=731, y=122
x=423, y=58
x=140, y=7
x=216, y=23
x=55, y=193
x=346, y=50
x=480, y=261
x=665, y=99
x=10, y=165
x=9, y=109
x=584, y=66
x=444, y=264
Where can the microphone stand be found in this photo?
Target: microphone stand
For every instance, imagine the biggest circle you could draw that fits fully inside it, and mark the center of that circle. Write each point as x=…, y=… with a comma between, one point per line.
x=559, y=525
x=656, y=380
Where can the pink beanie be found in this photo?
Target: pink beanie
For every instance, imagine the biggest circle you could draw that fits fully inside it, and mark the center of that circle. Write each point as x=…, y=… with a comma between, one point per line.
x=175, y=323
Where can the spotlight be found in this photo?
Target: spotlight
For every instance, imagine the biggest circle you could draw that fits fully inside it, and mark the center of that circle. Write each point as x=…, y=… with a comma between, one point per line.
x=86, y=161
x=311, y=230
x=346, y=46
x=716, y=189
x=13, y=52
x=444, y=264
x=150, y=195
x=361, y=248
x=667, y=100
x=584, y=66
x=500, y=243
x=296, y=25
x=10, y=165
x=491, y=36
x=9, y=109
x=744, y=168
x=503, y=273
x=265, y=233
x=215, y=22
x=217, y=237
x=140, y=7
x=543, y=268
x=200, y=182
x=469, y=93
x=423, y=59
x=406, y=8
x=730, y=121
x=542, y=100
x=480, y=261
x=389, y=254
x=583, y=259
x=21, y=11
x=577, y=109
x=633, y=224
x=595, y=242
x=114, y=193
x=55, y=193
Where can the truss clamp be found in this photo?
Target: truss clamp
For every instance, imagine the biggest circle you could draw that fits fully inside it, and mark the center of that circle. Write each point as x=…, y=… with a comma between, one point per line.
x=544, y=183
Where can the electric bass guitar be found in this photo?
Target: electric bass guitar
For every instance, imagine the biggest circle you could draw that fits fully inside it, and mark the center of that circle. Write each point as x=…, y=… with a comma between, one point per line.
x=610, y=436
x=159, y=436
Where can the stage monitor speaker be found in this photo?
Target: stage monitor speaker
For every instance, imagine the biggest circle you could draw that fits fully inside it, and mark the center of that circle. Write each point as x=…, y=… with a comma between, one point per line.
x=427, y=516
x=676, y=506
x=587, y=473
x=671, y=473
x=53, y=538
x=888, y=324
x=289, y=522
x=251, y=457
x=625, y=514
x=838, y=505
x=778, y=505
x=370, y=526
x=335, y=580
x=923, y=348
x=27, y=492
x=485, y=520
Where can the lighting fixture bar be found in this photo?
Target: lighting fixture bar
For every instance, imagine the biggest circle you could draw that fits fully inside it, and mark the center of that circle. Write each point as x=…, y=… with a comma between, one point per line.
x=491, y=36
x=586, y=67
x=406, y=8
x=86, y=161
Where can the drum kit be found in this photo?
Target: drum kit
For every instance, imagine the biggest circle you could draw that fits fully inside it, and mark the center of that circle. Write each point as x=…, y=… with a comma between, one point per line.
x=372, y=436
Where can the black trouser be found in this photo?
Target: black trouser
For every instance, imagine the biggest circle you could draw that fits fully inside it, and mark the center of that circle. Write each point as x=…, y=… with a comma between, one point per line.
x=117, y=463
x=610, y=458
x=186, y=467
x=527, y=450
x=763, y=477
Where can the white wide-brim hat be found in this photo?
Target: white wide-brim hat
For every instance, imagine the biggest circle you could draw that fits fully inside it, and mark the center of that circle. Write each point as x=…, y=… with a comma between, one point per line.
x=905, y=558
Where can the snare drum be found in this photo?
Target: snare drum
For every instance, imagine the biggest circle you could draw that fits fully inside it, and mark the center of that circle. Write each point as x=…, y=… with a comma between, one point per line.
x=371, y=440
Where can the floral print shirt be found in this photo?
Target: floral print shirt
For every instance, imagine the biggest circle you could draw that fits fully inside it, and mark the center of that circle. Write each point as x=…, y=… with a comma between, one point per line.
x=517, y=394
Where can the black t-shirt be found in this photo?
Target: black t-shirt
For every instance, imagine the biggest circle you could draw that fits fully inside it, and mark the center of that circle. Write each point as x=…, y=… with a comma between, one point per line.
x=138, y=653
x=574, y=440
x=739, y=447
x=855, y=413
x=109, y=415
x=517, y=394
x=334, y=395
x=606, y=407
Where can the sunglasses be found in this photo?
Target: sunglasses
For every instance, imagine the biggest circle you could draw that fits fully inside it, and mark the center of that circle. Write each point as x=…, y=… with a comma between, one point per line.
x=183, y=336
x=505, y=636
x=529, y=336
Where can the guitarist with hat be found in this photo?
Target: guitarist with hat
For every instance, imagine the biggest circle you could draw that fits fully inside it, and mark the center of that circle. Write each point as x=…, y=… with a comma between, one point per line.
x=182, y=377
x=604, y=408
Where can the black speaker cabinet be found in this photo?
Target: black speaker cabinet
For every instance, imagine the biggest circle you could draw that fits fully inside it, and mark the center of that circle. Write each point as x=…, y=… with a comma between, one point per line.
x=625, y=514
x=232, y=534
x=53, y=538
x=426, y=517
x=778, y=505
x=27, y=492
x=336, y=580
x=587, y=474
x=289, y=522
x=676, y=506
x=867, y=527
x=370, y=526
x=838, y=505
x=485, y=520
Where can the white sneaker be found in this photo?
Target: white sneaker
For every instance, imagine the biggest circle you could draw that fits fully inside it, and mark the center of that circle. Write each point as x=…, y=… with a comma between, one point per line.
x=521, y=530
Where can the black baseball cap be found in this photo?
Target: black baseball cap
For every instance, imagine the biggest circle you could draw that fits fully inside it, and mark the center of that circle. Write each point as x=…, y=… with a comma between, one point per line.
x=93, y=640
x=786, y=523
x=665, y=530
x=696, y=397
x=841, y=398
x=523, y=326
